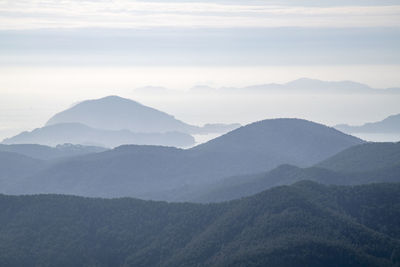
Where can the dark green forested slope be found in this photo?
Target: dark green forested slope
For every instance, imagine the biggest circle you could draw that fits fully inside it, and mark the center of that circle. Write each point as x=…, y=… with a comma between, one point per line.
x=305, y=224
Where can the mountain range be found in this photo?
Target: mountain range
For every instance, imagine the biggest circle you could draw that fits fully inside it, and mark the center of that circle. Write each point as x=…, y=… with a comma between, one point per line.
x=113, y=121
x=303, y=85
x=316, y=86
x=77, y=133
x=390, y=125
x=360, y=164
x=345, y=214
x=42, y=152
x=154, y=171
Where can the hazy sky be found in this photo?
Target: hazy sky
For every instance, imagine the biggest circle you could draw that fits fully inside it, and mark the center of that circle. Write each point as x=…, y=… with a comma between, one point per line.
x=53, y=53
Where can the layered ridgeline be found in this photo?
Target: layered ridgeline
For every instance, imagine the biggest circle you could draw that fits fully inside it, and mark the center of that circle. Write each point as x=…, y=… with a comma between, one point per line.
x=305, y=224
x=390, y=125
x=361, y=164
x=42, y=152
x=20, y=161
x=117, y=113
x=302, y=85
x=77, y=133
x=165, y=172
x=112, y=121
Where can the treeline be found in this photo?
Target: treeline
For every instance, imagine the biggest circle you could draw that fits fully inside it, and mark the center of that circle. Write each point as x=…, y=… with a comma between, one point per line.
x=306, y=224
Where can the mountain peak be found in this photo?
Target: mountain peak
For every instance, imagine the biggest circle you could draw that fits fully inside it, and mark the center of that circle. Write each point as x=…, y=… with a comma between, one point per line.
x=296, y=141
x=112, y=99
x=116, y=113
x=318, y=84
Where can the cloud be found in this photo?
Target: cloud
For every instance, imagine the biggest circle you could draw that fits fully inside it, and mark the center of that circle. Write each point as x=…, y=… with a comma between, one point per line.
x=38, y=14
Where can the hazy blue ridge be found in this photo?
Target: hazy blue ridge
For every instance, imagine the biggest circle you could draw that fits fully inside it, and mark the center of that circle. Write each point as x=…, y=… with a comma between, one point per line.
x=150, y=171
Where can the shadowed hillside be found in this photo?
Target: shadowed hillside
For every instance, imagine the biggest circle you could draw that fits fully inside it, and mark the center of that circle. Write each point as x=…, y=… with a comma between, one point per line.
x=148, y=171
x=14, y=167
x=48, y=153
x=362, y=164
x=301, y=225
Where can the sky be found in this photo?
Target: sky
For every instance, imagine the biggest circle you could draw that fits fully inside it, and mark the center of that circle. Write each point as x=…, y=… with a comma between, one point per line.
x=55, y=53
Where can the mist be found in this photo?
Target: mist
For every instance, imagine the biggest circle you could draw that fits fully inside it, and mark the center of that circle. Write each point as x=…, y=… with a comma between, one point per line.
x=200, y=133
x=193, y=94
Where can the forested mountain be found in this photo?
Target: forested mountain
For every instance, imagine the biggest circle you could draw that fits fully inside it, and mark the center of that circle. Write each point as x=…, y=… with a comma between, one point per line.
x=305, y=224
x=48, y=153
x=361, y=164
x=149, y=171
x=77, y=133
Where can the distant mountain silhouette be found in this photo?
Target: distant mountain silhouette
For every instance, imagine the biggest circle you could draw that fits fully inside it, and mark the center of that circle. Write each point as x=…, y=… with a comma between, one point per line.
x=305, y=224
x=306, y=85
x=147, y=171
x=77, y=133
x=361, y=164
x=387, y=126
x=50, y=153
x=314, y=84
x=117, y=113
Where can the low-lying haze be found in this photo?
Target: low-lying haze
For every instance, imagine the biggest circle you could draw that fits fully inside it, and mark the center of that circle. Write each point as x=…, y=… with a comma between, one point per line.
x=54, y=54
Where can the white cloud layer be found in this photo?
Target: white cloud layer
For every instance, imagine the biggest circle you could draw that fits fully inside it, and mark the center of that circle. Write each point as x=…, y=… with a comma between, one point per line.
x=36, y=14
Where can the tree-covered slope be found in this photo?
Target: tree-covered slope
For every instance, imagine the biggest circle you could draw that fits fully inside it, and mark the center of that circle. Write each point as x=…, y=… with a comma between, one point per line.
x=305, y=224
